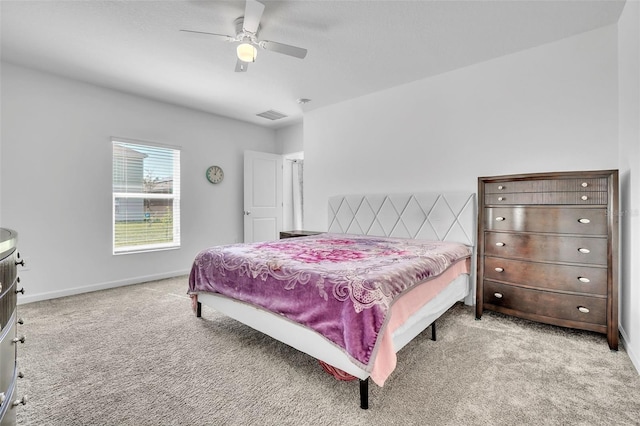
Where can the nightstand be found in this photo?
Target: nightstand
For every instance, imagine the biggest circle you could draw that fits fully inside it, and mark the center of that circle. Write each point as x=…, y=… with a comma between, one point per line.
x=297, y=233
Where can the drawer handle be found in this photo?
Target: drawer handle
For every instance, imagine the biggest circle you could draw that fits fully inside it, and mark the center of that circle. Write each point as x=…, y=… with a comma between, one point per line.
x=21, y=401
x=584, y=198
x=584, y=184
x=500, y=218
x=498, y=295
x=20, y=339
x=584, y=280
x=499, y=269
x=583, y=309
x=584, y=250
x=584, y=220
x=500, y=187
x=501, y=198
x=500, y=244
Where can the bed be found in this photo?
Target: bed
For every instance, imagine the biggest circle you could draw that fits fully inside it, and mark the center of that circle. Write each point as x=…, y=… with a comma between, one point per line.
x=385, y=270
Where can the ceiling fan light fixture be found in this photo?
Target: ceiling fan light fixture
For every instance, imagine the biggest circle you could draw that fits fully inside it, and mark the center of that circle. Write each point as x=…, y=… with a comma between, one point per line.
x=246, y=38
x=247, y=52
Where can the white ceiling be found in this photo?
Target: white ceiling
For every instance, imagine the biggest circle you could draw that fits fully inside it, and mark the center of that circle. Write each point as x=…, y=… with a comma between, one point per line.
x=354, y=47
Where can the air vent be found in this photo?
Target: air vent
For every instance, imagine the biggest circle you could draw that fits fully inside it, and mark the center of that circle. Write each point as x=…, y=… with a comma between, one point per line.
x=271, y=115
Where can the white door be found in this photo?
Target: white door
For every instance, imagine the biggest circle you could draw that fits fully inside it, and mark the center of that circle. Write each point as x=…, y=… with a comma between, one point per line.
x=262, y=196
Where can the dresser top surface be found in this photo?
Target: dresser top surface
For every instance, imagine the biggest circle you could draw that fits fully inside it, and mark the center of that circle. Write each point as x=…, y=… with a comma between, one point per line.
x=552, y=175
x=8, y=241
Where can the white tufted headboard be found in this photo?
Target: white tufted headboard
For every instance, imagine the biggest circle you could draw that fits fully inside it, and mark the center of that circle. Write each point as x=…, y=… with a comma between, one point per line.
x=442, y=216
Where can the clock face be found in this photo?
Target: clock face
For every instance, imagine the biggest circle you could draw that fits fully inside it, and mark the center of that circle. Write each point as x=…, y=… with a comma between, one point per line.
x=215, y=174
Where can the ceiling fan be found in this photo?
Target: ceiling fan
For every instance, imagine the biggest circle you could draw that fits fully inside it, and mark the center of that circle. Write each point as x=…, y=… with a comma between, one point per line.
x=247, y=28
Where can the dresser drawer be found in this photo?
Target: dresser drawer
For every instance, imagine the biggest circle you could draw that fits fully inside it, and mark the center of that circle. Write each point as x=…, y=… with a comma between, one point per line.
x=8, y=296
x=547, y=248
x=576, y=279
x=583, y=221
x=8, y=413
x=548, y=198
x=7, y=355
x=535, y=303
x=547, y=185
x=8, y=300
x=8, y=271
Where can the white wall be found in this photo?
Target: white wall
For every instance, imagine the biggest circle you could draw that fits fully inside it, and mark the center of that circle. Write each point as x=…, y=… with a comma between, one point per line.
x=290, y=138
x=549, y=108
x=629, y=107
x=56, y=179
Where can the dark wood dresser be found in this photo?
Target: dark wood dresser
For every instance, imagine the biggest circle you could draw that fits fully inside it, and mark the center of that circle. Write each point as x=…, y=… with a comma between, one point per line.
x=9, y=261
x=548, y=249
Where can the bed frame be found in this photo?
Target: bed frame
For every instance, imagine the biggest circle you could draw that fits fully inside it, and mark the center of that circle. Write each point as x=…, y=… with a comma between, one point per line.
x=447, y=216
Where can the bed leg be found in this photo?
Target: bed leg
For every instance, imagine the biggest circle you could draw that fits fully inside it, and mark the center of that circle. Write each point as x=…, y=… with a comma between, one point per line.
x=364, y=393
x=199, y=310
x=433, y=331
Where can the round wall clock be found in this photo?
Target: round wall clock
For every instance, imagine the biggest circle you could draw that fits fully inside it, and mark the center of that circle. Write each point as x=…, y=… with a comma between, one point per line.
x=215, y=174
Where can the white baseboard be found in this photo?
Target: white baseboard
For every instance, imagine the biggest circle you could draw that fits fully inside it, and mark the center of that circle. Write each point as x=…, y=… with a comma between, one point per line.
x=634, y=358
x=30, y=298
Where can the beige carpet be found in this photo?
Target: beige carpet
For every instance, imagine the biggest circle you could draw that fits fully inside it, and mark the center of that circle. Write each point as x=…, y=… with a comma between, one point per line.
x=137, y=355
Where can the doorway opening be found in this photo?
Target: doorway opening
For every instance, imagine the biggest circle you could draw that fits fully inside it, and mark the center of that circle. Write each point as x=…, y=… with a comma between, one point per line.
x=293, y=191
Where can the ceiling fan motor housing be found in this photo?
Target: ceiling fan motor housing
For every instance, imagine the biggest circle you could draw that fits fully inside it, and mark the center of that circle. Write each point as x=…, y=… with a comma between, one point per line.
x=243, y=35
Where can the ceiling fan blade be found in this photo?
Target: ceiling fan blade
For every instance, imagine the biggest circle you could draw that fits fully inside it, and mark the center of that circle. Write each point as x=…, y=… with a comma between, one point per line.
x=241, y=66
x=297, y=52
x=221, y=36
x=252, y=15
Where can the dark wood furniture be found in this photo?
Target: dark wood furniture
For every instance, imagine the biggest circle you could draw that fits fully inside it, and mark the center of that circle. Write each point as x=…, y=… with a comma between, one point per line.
x=297, y=233
x=548, y=249
x=9, y=261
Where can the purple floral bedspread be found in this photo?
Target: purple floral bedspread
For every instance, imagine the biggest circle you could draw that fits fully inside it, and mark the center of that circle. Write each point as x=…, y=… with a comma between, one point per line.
x=340, y=285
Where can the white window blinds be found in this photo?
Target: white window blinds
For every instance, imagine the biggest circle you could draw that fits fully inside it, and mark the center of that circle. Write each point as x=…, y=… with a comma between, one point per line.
x=146, y=197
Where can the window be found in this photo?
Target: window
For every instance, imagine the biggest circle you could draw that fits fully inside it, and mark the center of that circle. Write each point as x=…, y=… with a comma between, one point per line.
x=146, y=197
